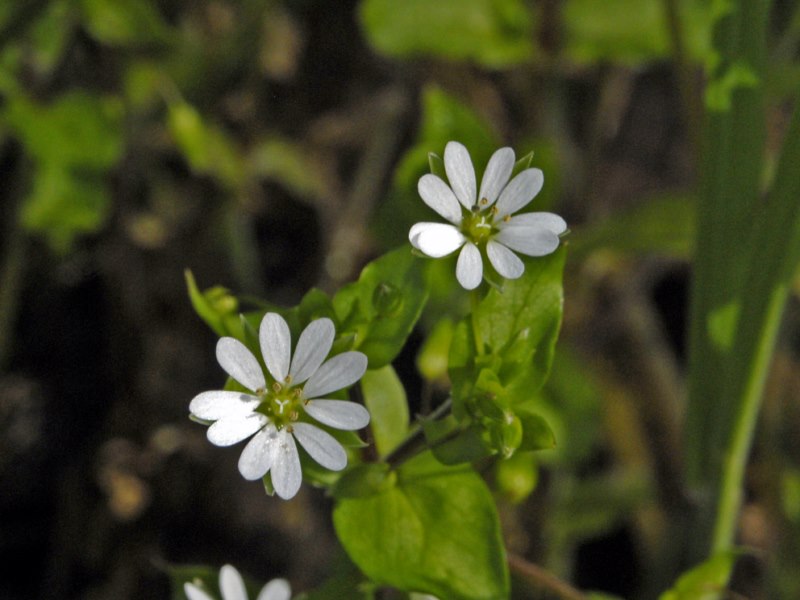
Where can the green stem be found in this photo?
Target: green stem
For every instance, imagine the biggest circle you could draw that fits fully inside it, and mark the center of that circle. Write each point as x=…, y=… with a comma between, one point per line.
x=731, y=488
x=475, y=301
x=771, y=272
x=416, y=442
x=727, y=254
x=543, y=580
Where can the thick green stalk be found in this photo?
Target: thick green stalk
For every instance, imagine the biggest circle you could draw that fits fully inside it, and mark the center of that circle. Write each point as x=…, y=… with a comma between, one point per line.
x=730, y=178
x=770, y=270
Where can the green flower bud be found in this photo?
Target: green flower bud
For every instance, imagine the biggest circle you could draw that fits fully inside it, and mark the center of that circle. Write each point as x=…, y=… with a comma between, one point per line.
x=517, y=477
x=222, y=301
x=507, y=435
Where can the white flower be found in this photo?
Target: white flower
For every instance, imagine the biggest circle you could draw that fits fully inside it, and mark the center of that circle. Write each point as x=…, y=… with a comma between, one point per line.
x=232, y=587
x=278, y=412
x=482, y=223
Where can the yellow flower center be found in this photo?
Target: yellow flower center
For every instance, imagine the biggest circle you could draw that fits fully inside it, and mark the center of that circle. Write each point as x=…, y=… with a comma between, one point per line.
x=478, y=224
x=281, y=403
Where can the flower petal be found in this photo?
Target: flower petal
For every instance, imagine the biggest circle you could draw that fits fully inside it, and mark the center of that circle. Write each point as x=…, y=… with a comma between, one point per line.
x=217, y=405
x=195, y=593
x=321, y=446
x=239, y=363
x=339, y=414
x=277, y=589
x=256, y=458
x=545, y=220
x=418, y=228
x=469, y=268
x=336, y=373
x=533, y=241
x=231, y=584
x=504, y=260
x=312, y=348
x=460, y=173
x=438, y=195
x=286, y=472
x=496, y=175
x=435, y=239
x=227, y=432
x=276, y=345
x=519, y=192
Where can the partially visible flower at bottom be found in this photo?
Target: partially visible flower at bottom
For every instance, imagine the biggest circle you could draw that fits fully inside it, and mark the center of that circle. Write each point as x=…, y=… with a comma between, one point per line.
x=284, y=410
x=231, y=585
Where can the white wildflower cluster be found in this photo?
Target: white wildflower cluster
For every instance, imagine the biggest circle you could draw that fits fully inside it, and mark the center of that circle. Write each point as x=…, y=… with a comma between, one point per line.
x=283, y=409
x=482, y=224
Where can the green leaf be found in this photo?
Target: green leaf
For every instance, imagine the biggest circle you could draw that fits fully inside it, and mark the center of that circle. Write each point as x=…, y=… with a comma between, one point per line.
x=536, y=431
x=380, y=334
x=207, y=148
x=462, y=369
x=436, y=165
x=316, y=304
x=432, y=360
x=65, y=203
x=414, y=536
x=385, y=398
x=73, y=141
x=631, y=31
x=144, y=82
x=705, y=581
x=79, y=129
x=50, y=35
x=495, y=33
x=521, y=323
x=522, y=163
x=453, y=443
x=365, y=480
x=124, y=22
x=720, y=89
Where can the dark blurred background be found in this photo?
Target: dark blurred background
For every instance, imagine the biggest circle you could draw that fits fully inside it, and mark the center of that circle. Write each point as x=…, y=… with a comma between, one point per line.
x=272, y=146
